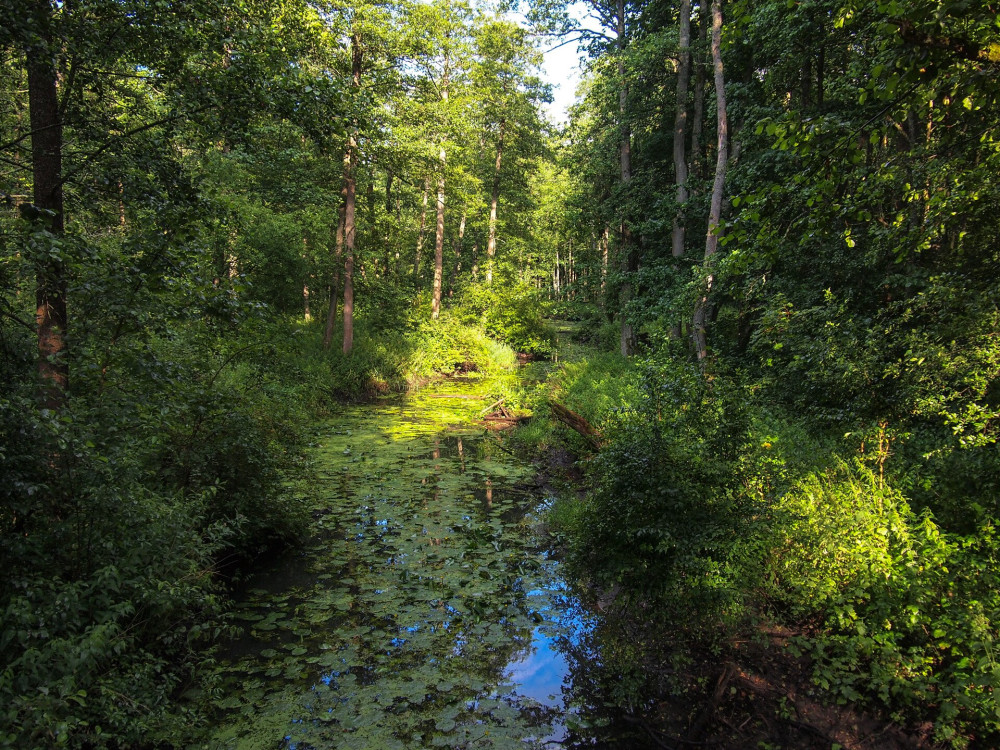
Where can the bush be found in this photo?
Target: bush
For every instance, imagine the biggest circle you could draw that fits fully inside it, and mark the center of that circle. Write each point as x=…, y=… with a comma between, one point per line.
x=447, y=345
x=107, y=593
x=513, y=314
x=907, y=615
x=668, y=519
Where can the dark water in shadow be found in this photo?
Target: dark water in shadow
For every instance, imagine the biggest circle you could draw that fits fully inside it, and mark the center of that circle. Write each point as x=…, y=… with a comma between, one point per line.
x=425, y=613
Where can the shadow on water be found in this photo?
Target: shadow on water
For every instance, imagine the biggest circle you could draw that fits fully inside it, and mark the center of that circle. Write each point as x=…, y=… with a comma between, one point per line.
x=423, y=613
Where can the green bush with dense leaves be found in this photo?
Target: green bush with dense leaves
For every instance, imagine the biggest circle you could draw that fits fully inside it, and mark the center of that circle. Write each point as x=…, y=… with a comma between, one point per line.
x=908, y=612
x=511, y=313
x=667, y=517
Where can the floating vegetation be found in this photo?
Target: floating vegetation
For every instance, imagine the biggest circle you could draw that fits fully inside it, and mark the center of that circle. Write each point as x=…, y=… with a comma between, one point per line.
x=423, y=613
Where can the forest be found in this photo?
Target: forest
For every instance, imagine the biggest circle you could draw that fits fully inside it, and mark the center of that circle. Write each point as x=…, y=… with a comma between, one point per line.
x=733, y=328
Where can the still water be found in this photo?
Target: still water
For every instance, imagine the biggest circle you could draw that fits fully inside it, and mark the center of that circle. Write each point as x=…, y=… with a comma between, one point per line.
x=425, y=610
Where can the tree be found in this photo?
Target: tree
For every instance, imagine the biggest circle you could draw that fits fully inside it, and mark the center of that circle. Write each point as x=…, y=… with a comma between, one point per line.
x=509, y=96
x=51, y=318
x=718, y=187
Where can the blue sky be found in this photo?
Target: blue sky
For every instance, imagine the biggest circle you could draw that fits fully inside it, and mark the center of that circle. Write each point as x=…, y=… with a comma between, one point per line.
x=562, y=70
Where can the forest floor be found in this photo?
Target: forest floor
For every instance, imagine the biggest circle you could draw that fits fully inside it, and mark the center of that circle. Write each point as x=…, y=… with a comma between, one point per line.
x=759, y=695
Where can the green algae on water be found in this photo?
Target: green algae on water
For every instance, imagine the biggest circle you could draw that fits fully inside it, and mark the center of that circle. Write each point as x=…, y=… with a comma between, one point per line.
x=421, y=585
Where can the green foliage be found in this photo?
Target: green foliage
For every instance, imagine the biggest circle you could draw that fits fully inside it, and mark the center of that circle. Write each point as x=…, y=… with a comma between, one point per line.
x=599, y=385
x=511, y=313
x=668, y=519
x=107, y=605
x=447, y=346
x=908, y=613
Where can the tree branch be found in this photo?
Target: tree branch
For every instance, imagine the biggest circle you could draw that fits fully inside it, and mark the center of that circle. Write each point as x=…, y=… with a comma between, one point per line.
x=128, y=134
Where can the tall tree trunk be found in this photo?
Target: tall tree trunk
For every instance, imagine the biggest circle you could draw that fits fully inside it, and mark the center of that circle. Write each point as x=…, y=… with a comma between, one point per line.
x=51, y=318
x=680, y=128
x=698, y=115
x=457, y=244
x=350, y=164
x=680, y=136
x=715, y=211
x=439, y=242
x=420, y=233
x=350, y=207
x=555, y=276
x=391, y=253
x=491, y=242
x=625, y=154
x=306, y=309
x=338, y=252
x=571, y=273
x=820, y=72
x=439, y=235
x=605, y=241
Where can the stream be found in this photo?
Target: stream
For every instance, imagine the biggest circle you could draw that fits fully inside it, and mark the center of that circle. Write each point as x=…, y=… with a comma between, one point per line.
x=425, y=610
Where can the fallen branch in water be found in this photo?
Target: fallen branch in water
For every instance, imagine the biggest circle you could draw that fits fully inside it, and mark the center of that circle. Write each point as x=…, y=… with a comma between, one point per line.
x=492, y=406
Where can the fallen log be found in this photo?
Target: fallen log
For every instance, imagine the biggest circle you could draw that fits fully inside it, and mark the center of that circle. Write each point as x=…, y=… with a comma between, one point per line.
x=577, y=423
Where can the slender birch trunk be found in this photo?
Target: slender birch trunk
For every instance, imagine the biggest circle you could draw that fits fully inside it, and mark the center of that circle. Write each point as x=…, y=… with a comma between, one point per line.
x=715, y=211
x=680, y=128
x=491, y=242
x=457, y=245
x=625, y=154
x=439, y=235
x=350, y=206
x=439, y=242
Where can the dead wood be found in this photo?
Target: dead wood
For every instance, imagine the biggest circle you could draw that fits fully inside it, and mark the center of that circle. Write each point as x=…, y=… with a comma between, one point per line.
x=577, y=423
x=492, y=406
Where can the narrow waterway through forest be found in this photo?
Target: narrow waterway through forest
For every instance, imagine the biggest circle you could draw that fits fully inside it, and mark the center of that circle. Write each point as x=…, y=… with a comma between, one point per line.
x=425, y=611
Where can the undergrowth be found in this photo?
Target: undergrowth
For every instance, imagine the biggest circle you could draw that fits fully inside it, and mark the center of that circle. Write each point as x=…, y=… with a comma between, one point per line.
x=709, y=512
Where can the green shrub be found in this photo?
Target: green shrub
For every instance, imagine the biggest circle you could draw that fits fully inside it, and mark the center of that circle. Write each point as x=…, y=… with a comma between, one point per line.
x=513, y=314
x=908, y=614
x=598, y=385
x=668, y=519
x=447, y=345
x=107, y=596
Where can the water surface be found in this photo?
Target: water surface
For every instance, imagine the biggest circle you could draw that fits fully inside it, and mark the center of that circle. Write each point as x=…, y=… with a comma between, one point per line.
x=425, y=611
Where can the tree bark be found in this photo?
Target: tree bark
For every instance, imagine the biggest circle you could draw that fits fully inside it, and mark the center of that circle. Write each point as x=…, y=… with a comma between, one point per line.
x=350, y=206
x=625, y=156
x=491, y=242
x=578, y=423
x=605, y=242
x=439, y=235
x=338, y=252
x=439, y=243
x=420, y=233
x=51, y=316
x=698, y=115
x=715, y=211
x=680, y=128
x=457, y=243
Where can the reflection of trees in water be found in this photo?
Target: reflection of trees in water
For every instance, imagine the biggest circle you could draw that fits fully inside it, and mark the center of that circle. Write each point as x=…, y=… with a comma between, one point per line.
x=606, y=685
x=422, y=603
